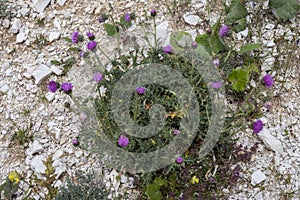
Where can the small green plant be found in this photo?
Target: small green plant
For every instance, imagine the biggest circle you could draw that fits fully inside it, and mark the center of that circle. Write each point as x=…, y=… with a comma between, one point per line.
x=22, y=137
x=40, y=21
x=49, y=179
x=284, y=9
x=84, y=188
x=11, y=185
x=40, y=41
x=4, y=9
x=153, y=189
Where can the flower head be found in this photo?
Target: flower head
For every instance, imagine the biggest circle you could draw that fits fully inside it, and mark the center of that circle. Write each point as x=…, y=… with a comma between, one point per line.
x=268, y=80
x=140, y=90
x=123, y=141
x=224, y=29
x=67, y=87
x=194, y=45
x=75, y=142
x=90, y=35
x=127, y=17
x=168, y=49
x=195, y=180
x=257, y=126
x=75, y=37
x=216, y=85
x=179, y=160
x=102, y=18
x=98, y=77
x=176, y=132
x=53, y=86
x=91, y=45
x=153, y=12
x=14, y=177
x=216, y=62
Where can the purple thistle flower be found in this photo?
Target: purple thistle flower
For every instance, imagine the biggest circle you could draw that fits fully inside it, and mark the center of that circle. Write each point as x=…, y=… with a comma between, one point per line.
x=268, y=80
x=176, y=132
x=209, y=31
x=67, y=87
x=127, y=17
x=90, y=35
x=140, y=90
x=168, y=49
x=91, y=45
x=216, y=85
x=194, y=45
x=257, y=126
x=179, y=160
x=216, y=62
x=102, y=18
x=53, y=86
x=153, y=12
x=123, y=141
x=98, y=77
x=75, y=37
x=223, y=30
x=75, y=142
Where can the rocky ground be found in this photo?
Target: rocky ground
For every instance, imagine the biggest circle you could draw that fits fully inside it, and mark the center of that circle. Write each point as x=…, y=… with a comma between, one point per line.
x=33, y=37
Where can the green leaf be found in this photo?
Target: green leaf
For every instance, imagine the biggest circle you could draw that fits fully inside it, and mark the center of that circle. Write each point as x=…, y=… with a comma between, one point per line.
x=211, y=43
x=286, y=9
x=237, y=11
x=249, y=47
x=152, y=191
x=252, y=68
x=55, y=62
x=110, y=29
x=67, y=39
x=240, y=25
x=178, y=40
x=239, y=79
x=75, y=49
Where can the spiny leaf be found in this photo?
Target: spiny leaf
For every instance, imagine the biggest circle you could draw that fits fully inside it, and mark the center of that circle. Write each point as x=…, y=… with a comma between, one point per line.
x=239, y=79
x=249, y=47
x=110, y=29
x=67, y=39
x=284, y=9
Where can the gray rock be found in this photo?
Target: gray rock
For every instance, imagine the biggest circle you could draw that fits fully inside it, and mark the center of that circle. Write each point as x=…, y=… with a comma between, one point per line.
x=24, y=11
x=50, y=96
x=61, y=2
x=56, y=70
x=5, y=23
x=191, y=19
x=37, y=164
x=161, y=32
x=40, y=5
x=257, y=177
x=5, y=65
x=4, y=88
x=15, y=26
x=42, y=72
x=270, y=141
x=21, y=37
x=34, y=147
x=53, y=36
x=9, y=73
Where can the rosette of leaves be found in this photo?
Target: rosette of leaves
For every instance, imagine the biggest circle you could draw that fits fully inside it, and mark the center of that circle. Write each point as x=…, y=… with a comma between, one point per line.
x=11, y=185
x=236, y=16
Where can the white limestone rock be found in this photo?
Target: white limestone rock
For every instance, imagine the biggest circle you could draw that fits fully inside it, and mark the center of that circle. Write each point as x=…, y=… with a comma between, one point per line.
x=34, y=147
x=191, y=19
x=40, y=5
x=15, y=26
x=21, y=37
x=54, y=36
x=61, y=2
x=37, y=164
x=4, y=88
x=257, y=177
x=42, y=72
x=270, y=141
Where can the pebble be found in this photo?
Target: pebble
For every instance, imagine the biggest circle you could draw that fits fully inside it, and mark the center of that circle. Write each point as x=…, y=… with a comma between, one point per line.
x=61, y=2
x=15, y=25
x=53, y=36
x=37, y=164
x=4, y=88
x=40, y=5
x=42, y=72
x=257, y=177
x=270, y=141
x=191, y=19
x=21, y=37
